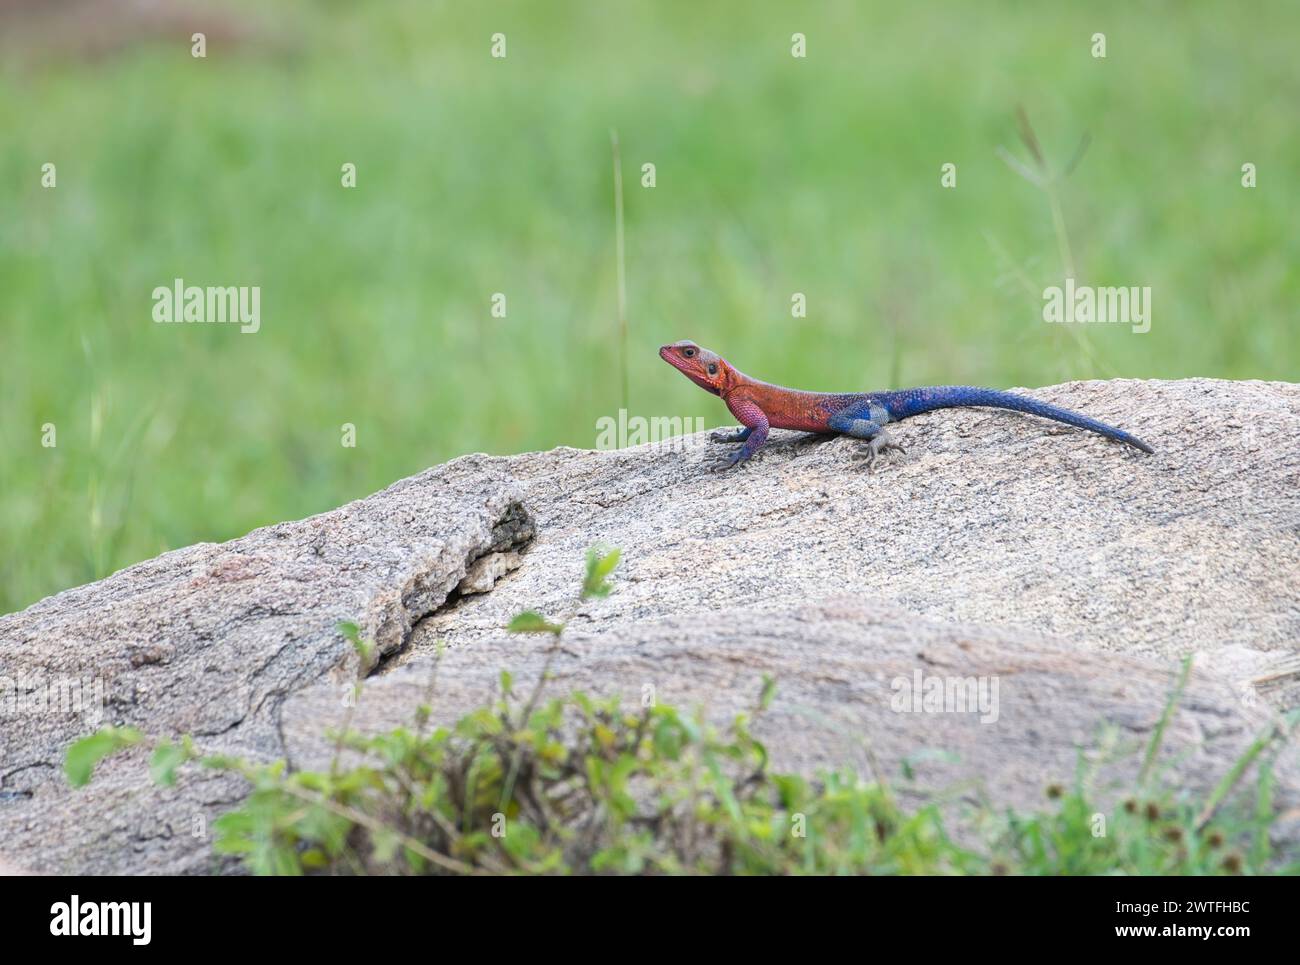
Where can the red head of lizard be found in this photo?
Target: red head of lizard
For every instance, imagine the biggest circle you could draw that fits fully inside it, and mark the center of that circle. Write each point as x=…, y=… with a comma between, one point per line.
x=707, y=370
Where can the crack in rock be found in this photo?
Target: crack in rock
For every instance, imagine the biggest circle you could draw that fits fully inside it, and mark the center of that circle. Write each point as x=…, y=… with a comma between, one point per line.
x=211, y=639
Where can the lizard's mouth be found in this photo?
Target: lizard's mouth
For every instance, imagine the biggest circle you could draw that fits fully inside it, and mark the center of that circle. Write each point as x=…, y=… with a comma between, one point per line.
x=688, y=367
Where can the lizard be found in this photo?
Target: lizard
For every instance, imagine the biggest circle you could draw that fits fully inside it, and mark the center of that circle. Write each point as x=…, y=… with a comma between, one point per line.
x=760, y=406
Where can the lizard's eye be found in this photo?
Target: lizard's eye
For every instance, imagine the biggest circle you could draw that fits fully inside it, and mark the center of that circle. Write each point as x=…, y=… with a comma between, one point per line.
x=713, y=369
x=689, y=352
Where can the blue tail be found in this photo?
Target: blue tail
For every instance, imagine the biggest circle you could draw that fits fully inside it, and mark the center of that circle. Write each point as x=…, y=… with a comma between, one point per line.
x=910, y=402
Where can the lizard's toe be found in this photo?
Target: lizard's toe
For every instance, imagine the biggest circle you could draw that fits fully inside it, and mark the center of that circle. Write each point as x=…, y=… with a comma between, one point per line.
x=876, y=447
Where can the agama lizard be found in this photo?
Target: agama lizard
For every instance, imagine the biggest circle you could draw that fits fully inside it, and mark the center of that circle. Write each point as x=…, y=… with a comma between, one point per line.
x=759, y=406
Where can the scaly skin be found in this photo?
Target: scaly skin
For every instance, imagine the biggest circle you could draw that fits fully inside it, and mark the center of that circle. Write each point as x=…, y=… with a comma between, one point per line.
x=759, y=406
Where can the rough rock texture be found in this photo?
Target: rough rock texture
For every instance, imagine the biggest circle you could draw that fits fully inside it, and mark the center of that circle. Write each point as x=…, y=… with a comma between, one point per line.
x=209, y=640
x=842, y=666
x=1070, y=571
x=991, y=517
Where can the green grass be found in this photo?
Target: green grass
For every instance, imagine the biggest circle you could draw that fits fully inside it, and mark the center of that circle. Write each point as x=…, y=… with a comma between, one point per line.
x=476, y=175
x=535, y=784
x=576, y=785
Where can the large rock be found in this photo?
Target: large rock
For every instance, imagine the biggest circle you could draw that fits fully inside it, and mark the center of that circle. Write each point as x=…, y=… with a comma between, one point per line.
x=209, y=640
x=1069, y=572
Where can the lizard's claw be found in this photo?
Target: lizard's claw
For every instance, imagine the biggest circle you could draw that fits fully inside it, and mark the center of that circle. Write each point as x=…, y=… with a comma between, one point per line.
x=722, y=435
x=878, y=444
x=725, y=463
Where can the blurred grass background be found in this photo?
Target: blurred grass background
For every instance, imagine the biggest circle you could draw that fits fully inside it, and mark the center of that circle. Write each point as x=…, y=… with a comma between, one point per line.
x=478, y=175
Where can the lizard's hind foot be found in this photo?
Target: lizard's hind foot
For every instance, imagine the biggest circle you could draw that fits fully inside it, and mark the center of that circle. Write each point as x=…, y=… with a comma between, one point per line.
x=878, y=444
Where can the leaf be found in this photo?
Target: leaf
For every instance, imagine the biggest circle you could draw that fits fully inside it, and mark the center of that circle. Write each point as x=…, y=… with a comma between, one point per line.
x=1079, y=152
x=599, y=567
x=162, y=766
x=386, y=843
x=352, y=632
x=79, y=763
x=1157, y=735
x=315, y=859
x=1015, y=164
x=604, y=565
x=1028, y=136
x=530, y=621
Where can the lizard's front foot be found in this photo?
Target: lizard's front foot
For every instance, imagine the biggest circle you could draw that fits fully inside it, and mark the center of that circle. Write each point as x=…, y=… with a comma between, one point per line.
x=726, y=462
x=735, y=435
x=880, y=443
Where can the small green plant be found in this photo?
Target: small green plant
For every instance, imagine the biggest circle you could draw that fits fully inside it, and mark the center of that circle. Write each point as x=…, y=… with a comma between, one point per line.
x=579, y=785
